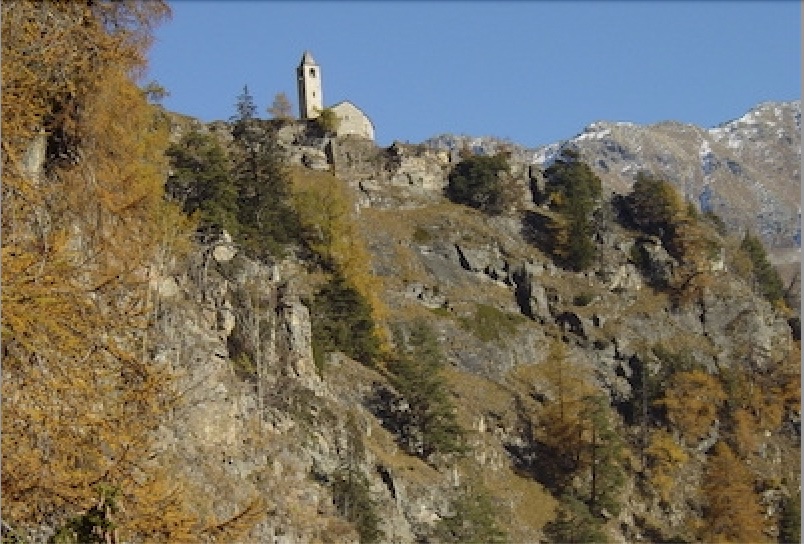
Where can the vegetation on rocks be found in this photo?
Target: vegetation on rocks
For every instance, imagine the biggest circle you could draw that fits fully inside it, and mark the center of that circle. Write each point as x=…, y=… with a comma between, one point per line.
x=83, y=222
x=161, y=386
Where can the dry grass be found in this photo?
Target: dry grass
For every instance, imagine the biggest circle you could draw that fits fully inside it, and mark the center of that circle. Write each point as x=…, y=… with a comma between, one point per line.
x=525, y=506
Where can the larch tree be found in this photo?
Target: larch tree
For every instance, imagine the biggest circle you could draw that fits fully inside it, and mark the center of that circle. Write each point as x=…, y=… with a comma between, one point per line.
x=329, y=230
x=281, y=107
x=733, y=512
x=560, y=421
x=692, y=402
x=85, y=229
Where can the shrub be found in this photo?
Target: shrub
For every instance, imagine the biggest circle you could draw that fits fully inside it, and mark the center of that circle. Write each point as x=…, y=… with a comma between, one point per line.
x=328, y=121
x=490, y=324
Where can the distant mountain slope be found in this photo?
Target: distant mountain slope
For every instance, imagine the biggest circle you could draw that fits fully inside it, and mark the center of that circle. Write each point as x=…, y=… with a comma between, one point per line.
x=747, y=171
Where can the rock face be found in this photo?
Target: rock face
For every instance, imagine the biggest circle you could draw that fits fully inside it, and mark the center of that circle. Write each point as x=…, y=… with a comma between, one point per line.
x=260, y=420
x=258, y=429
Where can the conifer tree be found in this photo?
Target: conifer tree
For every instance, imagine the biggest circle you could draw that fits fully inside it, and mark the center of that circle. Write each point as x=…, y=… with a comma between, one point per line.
x=665, y=457
x=574, y=524
x=472, y=519
x=266, y=221
x=342, y=321
x=428, y=425
x=790, y=520
x=604, y=449
x=84, y=222
x=281, y=108
x=764, y=276
x=350, y=488
x=329, y=230
x=475, y=182
x=560, y=422
x=732, y=510
x=201, y=181
x=692, y=402
x=574, y=191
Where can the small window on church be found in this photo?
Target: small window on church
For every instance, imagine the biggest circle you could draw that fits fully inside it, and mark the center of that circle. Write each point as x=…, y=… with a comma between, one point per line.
x=312, y=72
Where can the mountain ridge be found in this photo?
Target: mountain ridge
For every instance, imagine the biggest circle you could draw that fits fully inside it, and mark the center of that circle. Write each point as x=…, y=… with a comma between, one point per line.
x=753, y=187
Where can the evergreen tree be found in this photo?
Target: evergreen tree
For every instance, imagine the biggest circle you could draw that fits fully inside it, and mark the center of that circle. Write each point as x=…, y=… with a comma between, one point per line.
x=428, y=425
x=267, y=222
x=475, y=182
x=246, y=108
x=790, y=520
x=765, y=277
x=574, y=191
x=654, y=206
x=350, y=488
x=574, y=523
x=473, y=519
x=201, y=182
x=604, y=453
x=342, y=321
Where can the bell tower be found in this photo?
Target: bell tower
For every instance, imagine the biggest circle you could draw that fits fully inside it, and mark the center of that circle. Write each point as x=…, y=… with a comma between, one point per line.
x=308, y=79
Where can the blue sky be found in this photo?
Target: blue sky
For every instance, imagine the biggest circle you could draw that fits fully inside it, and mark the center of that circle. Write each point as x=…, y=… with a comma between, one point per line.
x=535, y=72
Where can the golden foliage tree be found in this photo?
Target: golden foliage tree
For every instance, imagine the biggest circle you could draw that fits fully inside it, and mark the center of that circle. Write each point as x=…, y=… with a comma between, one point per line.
x=561, y=421
x=326, y=209
x=665, y=456
x=85, y=230
x=733, y=512
x=692, y=401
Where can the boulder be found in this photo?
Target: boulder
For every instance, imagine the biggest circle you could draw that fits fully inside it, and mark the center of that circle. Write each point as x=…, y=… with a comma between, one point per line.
x=315, y=159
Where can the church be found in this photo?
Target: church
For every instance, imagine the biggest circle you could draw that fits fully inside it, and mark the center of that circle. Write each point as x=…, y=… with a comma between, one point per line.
x=352, y=120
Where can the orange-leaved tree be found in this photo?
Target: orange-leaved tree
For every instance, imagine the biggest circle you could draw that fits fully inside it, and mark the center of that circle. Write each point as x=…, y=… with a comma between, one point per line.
x=85, y=229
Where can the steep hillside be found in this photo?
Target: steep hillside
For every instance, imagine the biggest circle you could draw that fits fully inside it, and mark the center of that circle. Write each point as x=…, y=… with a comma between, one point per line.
x=592, y=405
x=258, y=332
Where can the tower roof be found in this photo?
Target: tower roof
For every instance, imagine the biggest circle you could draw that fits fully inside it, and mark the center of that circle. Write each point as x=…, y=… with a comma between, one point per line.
x=307, y=58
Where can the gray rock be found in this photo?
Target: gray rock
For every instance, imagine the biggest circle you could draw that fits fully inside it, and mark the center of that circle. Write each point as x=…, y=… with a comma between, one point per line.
x=296, y=318
x=427, y=296
x=627, y=278
x=315, y=159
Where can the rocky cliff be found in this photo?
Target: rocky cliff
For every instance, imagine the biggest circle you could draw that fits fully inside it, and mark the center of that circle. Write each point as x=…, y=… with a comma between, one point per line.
x=272, y=429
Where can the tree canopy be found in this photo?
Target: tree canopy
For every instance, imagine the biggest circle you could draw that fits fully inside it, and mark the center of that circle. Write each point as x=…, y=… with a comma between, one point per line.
x=475, y=182
x=573, y=190
x=84, y=223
